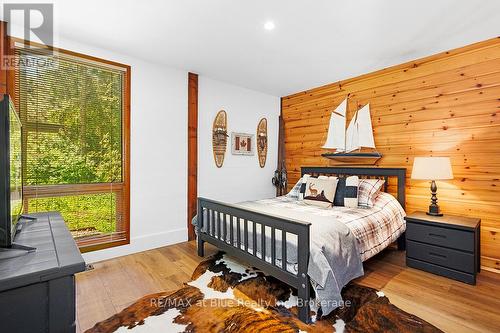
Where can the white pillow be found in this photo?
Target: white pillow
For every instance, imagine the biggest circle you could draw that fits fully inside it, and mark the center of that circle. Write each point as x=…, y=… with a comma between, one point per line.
x=295, y=191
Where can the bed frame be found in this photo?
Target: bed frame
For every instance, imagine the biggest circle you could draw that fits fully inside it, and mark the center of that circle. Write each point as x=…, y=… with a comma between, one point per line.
x=208, y=210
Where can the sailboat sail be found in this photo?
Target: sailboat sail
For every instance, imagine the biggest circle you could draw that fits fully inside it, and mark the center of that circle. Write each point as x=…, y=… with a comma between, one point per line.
x=351, y=135
x=336, y=130
x=364, y=128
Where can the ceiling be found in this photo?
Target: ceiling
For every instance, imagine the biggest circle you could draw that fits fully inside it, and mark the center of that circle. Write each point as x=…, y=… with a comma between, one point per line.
x=313, y=43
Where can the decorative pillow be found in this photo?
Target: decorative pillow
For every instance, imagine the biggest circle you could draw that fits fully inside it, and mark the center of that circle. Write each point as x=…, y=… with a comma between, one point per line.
x=327, y=177
x=368, y=191
x=303, y=186
x=320, y=192
x=338, y=200
x=351, y=192
x=297, y=192
x=347, y=192
x=294, y=192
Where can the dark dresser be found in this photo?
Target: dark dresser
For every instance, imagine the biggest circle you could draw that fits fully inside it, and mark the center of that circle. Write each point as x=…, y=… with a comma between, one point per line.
x=445, y=245
x=37, y=289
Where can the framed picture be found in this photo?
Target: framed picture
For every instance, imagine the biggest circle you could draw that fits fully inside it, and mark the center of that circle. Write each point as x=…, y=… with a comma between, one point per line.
x=242, y=144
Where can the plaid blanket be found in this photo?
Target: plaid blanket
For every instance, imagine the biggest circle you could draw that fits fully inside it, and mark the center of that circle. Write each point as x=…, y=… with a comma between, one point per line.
x=375, y=228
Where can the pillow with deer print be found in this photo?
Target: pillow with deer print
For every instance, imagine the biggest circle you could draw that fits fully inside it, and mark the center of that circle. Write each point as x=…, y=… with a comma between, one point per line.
x=320, y=192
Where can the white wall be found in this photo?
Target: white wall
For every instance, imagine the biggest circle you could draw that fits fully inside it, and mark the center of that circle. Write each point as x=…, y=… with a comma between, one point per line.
x=240, y=178
x=158, y=190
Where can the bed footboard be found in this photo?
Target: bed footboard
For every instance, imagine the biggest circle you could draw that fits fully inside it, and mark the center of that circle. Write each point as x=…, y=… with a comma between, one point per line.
x=240, y=232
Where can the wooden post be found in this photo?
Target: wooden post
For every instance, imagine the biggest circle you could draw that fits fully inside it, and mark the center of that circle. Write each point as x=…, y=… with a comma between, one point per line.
x=281, y=166
x=192, y=152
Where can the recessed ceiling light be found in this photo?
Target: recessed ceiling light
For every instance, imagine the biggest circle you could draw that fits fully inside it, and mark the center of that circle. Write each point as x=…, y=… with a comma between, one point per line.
x=269, y=25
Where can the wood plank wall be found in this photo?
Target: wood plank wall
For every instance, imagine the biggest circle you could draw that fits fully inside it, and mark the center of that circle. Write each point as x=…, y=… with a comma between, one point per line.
x=443, y=105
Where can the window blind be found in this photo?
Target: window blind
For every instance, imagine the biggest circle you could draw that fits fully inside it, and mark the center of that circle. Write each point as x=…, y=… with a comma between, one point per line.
x=72, y=111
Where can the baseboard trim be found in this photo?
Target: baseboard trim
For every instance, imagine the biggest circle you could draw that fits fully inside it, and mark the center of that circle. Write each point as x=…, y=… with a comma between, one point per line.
x=138, y=244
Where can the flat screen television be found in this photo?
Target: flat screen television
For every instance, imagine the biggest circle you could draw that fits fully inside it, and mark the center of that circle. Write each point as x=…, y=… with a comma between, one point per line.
x=11, y=181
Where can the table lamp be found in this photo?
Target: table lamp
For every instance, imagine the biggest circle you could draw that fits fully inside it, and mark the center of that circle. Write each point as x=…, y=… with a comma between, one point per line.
x=432, y=168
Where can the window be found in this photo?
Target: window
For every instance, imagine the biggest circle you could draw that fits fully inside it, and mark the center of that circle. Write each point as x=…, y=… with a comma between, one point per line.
x=75, y=115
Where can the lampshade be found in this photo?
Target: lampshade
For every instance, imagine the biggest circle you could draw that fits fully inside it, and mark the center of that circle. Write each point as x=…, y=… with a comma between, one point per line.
x=432, y=168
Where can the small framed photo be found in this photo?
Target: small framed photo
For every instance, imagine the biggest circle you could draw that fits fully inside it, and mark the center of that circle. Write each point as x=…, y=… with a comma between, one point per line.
x=242, y=143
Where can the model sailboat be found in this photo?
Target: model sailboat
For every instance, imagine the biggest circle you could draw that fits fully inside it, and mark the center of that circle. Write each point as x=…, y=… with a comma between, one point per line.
x=351, y=145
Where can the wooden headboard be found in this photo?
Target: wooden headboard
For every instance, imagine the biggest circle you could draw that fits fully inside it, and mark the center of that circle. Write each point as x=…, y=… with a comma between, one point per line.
x=381, y=173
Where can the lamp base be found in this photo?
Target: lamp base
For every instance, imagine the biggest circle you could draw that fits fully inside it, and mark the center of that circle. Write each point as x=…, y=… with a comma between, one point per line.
x=434, y=214
x=434, y=207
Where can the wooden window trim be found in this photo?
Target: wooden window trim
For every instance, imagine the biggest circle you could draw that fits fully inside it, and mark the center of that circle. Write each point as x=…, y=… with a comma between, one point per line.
x=124, y=186
x=192, y=191
x=4, y=51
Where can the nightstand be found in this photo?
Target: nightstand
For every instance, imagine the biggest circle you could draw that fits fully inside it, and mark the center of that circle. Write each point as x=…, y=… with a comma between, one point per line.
x=445, y=245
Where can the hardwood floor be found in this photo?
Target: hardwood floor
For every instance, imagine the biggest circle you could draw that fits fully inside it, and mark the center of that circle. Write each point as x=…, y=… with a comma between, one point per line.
x=451, y=306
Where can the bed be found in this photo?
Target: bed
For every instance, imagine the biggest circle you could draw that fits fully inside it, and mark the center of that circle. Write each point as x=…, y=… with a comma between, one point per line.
x=289, y=240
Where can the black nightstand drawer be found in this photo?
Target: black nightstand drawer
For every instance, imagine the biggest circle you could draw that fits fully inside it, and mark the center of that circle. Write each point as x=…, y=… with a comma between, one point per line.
x=452, y=238
x=441, y=256
x=440, y=270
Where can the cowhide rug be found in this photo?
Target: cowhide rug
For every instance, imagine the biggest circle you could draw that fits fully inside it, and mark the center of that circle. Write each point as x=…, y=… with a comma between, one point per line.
x=224, y=296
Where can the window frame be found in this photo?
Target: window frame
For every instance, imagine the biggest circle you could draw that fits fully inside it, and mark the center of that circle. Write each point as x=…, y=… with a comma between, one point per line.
x=122, y=189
